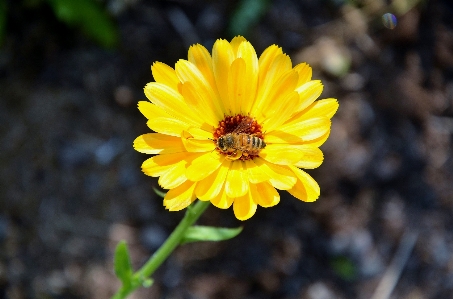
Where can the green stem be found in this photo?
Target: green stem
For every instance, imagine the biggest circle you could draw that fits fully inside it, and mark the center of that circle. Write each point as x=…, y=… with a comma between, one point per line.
x=192, y=214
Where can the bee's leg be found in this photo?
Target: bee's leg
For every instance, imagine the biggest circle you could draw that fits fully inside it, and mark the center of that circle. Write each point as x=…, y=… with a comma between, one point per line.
x=234, y=155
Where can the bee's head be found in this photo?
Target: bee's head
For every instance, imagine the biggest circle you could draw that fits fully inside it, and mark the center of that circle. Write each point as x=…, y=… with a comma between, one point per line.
x=221, y=143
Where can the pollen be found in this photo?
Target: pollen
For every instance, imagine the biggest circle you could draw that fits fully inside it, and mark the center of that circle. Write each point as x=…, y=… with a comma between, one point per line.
x=230, y=123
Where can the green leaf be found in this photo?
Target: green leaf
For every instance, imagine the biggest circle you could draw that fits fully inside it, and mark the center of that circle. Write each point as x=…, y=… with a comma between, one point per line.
x=208, y=233
x=122, y=263
x=89, y=16
x=158, y=192
x=247, y=14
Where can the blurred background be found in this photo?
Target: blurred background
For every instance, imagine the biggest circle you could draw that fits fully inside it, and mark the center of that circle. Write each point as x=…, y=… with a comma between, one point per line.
x=71, y=73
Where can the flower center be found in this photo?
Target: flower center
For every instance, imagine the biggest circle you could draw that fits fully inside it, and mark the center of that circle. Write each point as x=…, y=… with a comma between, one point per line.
x=239, y=137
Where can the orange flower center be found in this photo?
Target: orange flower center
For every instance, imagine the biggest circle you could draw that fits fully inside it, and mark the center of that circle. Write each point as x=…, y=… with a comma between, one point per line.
x=239, y=137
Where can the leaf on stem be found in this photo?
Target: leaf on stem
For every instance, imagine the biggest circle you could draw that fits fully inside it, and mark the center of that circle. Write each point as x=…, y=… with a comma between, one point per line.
x=122, y=263
x=147, y=282
x=158, y=192
x=208, y=233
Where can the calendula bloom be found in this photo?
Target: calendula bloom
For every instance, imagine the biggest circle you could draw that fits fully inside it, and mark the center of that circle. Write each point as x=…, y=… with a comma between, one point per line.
x=231, y=128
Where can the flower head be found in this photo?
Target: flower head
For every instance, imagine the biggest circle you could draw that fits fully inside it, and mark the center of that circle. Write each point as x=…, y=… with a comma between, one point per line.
x=231, y=128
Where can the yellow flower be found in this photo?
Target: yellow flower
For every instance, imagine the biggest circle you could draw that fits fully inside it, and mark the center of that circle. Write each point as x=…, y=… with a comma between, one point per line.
x=196, y=109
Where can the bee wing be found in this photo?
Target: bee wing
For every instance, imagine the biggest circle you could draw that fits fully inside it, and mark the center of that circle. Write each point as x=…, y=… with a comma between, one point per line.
x=244, y=125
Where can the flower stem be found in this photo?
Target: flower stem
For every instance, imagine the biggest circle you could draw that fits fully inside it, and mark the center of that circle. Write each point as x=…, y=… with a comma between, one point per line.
x=192, y=214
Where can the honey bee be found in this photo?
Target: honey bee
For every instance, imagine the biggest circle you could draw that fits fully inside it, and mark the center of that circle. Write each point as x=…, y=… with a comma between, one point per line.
x=239, y=143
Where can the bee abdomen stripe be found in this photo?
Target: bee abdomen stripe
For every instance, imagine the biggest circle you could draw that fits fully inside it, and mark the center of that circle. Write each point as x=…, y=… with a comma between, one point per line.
x=259, y=143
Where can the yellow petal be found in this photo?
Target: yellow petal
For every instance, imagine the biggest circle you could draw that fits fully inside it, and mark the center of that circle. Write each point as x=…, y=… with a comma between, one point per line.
x=150, y=111
x=160, y=121
x=317, y=142
x=304, y=71
x=265, y=61
x=280, y=176
x=281, y=88
x=211, y=186
x=312, y=157
x=284, y=112
x=236, y=42
x=171, y=102
x=322, y=108
x=200, y=133
x=155, y=143
x=299, y=132
x=167, y=125
x=264, y=194
x=244, y=207
x=237, y=181
x=237, y=82
x=203, y=166
x=222, y=57
x=255, y=173
x=304, y=156
x=197, y=104
x=222, y=201
x=282, y=154
x=165, y=74
x=173, y=176
x=308, y=93
x=248, y=54
x=308, y=129
x=188, y=72
x=306, y=188
x=281, y=64
x=158, y=165
x=200, y=57
x=196, y=145
x=180, y=197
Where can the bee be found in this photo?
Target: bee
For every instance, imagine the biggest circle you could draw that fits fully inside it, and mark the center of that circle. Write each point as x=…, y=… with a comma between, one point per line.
x=239, y=143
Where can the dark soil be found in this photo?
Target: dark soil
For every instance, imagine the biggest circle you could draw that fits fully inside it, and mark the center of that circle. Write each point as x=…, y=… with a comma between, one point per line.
x=71, y=185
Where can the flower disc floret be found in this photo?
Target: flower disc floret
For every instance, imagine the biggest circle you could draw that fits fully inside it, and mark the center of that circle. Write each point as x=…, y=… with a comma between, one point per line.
x=230, y=123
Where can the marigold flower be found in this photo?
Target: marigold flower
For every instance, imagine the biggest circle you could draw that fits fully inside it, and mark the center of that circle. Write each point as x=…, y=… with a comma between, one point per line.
x=232, y=128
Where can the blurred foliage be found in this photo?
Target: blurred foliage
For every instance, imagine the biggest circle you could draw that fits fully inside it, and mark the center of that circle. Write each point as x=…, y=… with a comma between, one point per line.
x=344, y=267
x=3, y=11
x=403, y=6
x=247, y=14
x=85, y=15
x=89, y=16
x=399, y=7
